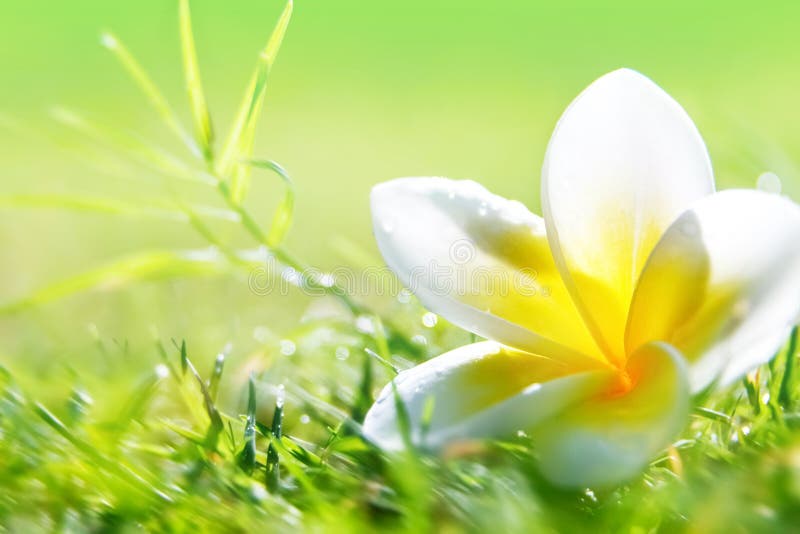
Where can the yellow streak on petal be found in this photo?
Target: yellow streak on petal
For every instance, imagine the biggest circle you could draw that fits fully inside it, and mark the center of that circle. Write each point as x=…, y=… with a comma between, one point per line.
x=528, y=290
x=610, y=437
x=492, y=379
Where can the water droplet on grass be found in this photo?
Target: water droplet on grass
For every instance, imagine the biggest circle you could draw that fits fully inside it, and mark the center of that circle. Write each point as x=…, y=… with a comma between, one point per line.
x=280, y=396
x=419, y=340
x=430, y=319
x=342, y=353
x=162, y=371
x=288, y=347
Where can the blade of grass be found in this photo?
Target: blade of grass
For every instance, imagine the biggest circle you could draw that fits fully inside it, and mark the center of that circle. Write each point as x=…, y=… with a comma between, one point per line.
x=216, y=425
x=247, y=456
x=80, y=203
x=239, y=144
x=273, y=465
x=216, y=376
x=282, y=218
x=137, y=403
x=114, y=467
x=787, y=382
x=131, y=147
x=197, y=100
x=157, y=265
x=149, y=88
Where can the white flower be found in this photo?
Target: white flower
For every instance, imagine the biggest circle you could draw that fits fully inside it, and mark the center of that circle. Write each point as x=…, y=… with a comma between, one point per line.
x=643, y=286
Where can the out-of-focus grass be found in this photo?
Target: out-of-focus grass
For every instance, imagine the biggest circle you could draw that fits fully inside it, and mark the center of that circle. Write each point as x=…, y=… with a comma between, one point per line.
x=158, y=451
x=112, y=425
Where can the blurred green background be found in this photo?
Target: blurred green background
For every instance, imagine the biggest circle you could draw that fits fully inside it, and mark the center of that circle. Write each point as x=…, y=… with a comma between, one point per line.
x=362, y=92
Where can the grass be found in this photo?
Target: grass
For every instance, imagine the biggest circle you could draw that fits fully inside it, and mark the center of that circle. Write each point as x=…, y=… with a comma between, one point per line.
x=274, y=444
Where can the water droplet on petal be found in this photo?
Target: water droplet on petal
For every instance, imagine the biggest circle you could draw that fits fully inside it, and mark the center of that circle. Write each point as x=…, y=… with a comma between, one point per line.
x=533, y=388
x=769, y=182
x=690, y=228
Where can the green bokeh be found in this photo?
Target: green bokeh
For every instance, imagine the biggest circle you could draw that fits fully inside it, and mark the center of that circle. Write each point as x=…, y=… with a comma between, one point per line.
x=362, y=92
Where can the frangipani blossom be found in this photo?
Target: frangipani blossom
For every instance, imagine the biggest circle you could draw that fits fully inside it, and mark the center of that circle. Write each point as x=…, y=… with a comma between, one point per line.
x=648, y=286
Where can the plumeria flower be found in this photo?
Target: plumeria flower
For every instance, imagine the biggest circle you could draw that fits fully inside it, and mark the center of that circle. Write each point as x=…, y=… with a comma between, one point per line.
x=644, y=286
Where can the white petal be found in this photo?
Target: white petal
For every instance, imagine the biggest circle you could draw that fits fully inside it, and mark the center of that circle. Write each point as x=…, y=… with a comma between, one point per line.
x=610, y=438
x=624, y=161
x=477, y=391
x=723, y=284
x=480, y=261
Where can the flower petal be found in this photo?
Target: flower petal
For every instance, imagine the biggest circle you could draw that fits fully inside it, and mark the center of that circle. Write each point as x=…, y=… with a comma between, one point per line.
x=610, y=438
x=477, y=391
x=480, y=261
x=624, y=161
x=723, y=284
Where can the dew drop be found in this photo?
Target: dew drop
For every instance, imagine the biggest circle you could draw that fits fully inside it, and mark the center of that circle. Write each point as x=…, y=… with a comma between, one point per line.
x=280, y=396
x=419, y=340
x=292, y=276
x=769, y=182
x=305, y=419
x=690, y=228
x=108, y=40
x=162, y=371
x=342, y=353
x=288, y=347
x=364, y=325
x=430, y=320
x=545, y=291
x=261, y=334
x=258, y=492
x=533, y=388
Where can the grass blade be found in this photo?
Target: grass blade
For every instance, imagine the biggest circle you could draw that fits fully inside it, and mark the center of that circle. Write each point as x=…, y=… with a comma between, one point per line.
x=79, y=203
x=216, y=425
x=197, y=100
x=216, y=376
x=118, y=469
x=132, y=148
x=273, y=461
x=239, y=144
x=149, y=88
x=787, y=382
x=139, y=267
x=282, y=218
x=247, y=456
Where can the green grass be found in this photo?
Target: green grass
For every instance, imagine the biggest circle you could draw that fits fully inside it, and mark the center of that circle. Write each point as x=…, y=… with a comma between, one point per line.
x=161, y=453
x=155, y=434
